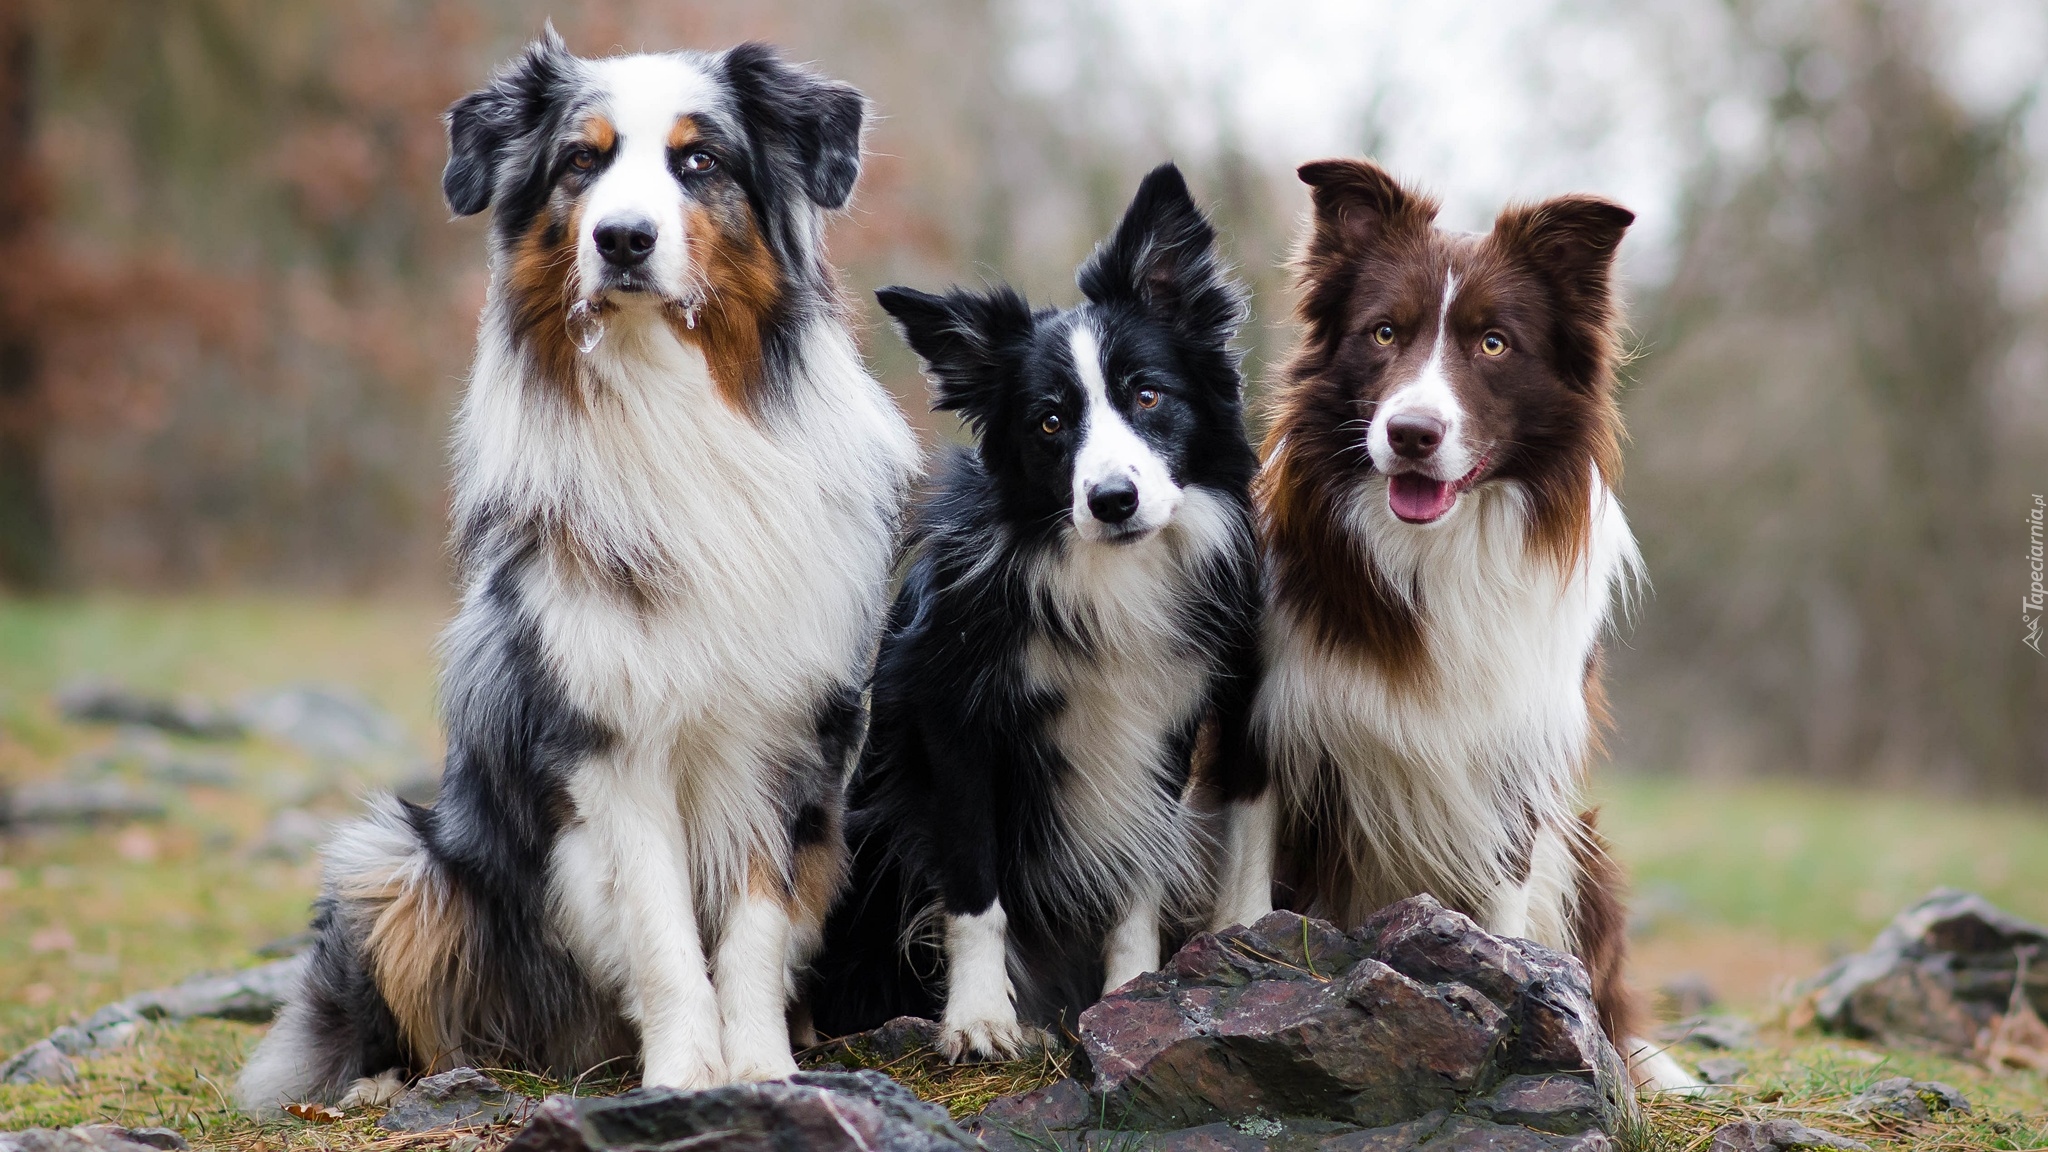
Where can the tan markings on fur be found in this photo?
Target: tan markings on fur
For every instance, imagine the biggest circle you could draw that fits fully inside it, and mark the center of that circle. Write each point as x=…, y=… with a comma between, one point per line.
x=819, y=875
x=740, y=282
x=1600, y=930
x=539, y=287
x=414, y=947
x=599, y=134
x=741, y=287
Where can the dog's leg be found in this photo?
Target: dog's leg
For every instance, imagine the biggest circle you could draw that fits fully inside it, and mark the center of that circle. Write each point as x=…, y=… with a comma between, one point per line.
x=1244, y=891
x=981, y=1009
x=753, y=979
x=1133, y=945
x=623, y=879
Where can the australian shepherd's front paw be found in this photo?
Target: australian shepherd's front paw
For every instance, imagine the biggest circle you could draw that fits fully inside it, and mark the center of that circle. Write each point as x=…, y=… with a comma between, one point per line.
x=993, y=1038
x=753, y=1059
x=687, y=1069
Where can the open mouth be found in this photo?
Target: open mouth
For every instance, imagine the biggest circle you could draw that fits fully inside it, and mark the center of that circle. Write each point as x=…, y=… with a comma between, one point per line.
x=1420, y=499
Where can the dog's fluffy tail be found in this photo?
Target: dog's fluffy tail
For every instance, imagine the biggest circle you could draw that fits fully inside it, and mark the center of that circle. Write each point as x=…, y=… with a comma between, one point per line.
x=381, y=897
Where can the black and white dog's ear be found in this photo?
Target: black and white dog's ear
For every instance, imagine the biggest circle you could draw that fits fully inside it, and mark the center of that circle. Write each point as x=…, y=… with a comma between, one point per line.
x=964, y=339
x=484, y=124
x=1163, y=257
x=818, y=120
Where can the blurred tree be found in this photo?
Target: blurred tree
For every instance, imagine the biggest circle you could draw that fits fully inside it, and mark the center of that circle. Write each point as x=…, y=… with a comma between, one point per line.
x=28, y=542
x=1818, y=482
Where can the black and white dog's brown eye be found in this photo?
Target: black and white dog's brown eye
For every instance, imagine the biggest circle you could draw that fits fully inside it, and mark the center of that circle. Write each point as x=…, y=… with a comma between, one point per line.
x=583, y=159
x=1050, y=425
x=700, y=163
x=1148, y=398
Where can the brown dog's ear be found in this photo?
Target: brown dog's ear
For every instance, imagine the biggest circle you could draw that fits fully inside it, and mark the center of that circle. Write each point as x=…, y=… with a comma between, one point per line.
x=1569, y=243
x=1358, y=204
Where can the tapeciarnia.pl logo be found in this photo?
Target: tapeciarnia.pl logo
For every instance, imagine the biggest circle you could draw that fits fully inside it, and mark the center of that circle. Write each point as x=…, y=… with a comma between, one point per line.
x=2033, y=607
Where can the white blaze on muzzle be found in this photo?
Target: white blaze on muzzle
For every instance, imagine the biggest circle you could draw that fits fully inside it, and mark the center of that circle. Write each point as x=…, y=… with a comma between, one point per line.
x=644, y=97
x=1114, y=468
x=1425, y=488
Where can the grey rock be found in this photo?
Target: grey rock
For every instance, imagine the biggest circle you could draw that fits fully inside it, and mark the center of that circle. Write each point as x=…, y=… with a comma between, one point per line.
x=1723, y=1070
x=1711, y=1032
x=102, y=702
x=285, y=946
x=326, y=723
x=166, y=1139
x=816, y=1111
x=1553, y=1102
x=79, y=802
x=253, y=994
x=40, y=1063
x=92, y=1138
x=1415, y=1013
x=1907, y=1098
x=292, y=835
x=1686, y=994
x=110, y=1028
x=1939, y=973
x=459, y=1098
x=1777, y=1136
x=893, y=1040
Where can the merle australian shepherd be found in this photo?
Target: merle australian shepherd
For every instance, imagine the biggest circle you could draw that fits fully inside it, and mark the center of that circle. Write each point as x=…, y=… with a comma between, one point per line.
x=676, y=499
x=1084, y=597
x=1444, y=547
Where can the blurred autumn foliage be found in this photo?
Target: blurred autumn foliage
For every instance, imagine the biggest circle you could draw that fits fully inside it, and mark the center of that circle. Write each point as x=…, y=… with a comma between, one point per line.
x=234, y=317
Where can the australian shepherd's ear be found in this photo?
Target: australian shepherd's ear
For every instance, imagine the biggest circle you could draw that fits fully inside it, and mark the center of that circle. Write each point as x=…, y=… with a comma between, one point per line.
x=970, y=342
x=483, y=124
x=1163, y=259
x=816, y=121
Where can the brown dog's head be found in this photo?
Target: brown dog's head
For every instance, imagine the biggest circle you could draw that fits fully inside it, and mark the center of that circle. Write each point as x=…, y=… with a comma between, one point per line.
x=1442, y=362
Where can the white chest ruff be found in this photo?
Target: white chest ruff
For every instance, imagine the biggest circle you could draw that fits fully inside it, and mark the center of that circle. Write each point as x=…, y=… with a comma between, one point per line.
x=1128, y=697
x=757, y=548
x=1438, y=776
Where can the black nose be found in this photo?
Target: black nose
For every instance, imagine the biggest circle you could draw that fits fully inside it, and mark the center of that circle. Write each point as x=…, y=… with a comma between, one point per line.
x=1113, y=501
x=625, y=243
x=1415, y=437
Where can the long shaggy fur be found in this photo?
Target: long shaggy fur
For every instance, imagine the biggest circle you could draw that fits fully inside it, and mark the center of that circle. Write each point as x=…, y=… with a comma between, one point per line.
x=674, y=547
x=1023, y=801
x=1431, y=697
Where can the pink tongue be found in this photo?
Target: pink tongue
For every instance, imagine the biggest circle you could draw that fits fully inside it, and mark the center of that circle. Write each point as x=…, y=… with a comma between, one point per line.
x=1416, y=497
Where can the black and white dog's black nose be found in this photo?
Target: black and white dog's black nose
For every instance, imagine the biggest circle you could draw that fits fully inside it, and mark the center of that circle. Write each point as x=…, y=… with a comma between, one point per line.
x=625, y=242
x=1114, y=500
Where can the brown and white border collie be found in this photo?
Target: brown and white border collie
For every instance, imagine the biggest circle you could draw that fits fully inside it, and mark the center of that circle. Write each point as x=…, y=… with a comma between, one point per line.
x=1443, y=549
x=676, y=501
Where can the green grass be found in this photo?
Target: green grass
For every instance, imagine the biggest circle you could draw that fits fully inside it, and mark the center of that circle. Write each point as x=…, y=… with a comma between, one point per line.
x=90, y=914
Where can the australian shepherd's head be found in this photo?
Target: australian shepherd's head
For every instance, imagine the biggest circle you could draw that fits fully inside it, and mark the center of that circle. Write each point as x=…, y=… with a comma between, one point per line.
x=1437, y=370
x=681, y=189
x=1095, y=420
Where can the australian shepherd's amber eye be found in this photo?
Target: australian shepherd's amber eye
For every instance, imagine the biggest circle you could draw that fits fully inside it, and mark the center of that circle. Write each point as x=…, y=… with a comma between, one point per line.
x=1493, y=344
x=583, y=159
x=1384, y=334
x=1148, y=398
x=699, y=163
x=1050, y=425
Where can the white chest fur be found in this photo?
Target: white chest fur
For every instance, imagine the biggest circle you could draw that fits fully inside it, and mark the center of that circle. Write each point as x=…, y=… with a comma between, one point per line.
x=757, y=546
x=1125, y=698
x=1439, y=772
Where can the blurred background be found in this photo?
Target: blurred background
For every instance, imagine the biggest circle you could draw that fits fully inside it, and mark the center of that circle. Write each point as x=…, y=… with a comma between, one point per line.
x=235, y=317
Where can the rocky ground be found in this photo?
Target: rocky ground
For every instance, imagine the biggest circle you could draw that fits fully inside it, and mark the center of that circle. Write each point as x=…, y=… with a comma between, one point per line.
x=167, y=773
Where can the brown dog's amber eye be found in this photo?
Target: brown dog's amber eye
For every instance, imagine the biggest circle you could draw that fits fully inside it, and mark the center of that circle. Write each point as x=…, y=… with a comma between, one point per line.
x=1493, y=344
x=583, y=159
x=1050, y=425
x=698, y=163
x=1147, y=398
x=1384, y=334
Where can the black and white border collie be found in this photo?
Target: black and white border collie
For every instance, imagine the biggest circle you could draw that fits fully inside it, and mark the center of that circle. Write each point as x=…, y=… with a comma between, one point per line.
x=1085, y=596
x=676, y=500
x=1444, y=548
